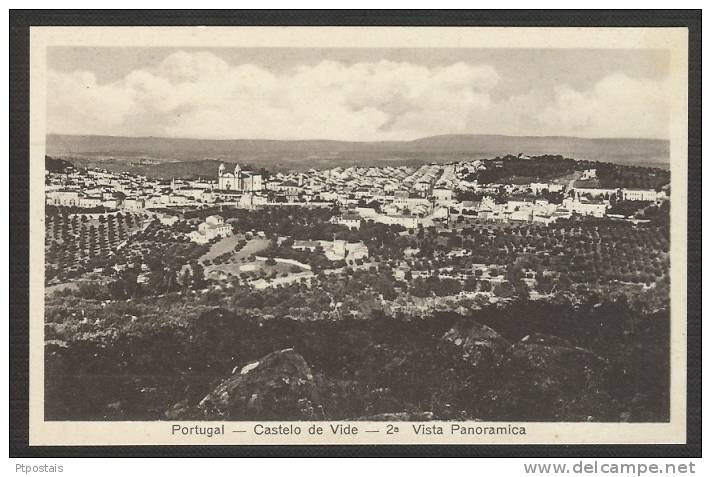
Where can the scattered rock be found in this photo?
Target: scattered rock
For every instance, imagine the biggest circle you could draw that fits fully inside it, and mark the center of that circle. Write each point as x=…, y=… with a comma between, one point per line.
x=278, y=386
x=399, y=416
x=179, y=411
x=478, y=344
x=544, y=339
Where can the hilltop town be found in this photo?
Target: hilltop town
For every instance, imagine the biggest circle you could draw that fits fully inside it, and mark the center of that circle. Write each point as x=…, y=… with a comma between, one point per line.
x=407, y=196
x=395, y=289
x=451, y=201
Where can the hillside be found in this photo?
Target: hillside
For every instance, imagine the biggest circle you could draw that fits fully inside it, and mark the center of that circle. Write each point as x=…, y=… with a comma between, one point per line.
x=323, y=153
x=56, y=165
x=536, y=145
x=164, y=170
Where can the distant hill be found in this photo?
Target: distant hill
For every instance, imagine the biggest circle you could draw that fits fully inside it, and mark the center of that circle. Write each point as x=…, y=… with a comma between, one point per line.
x=143, y=152
x=56, y=165
x=165, y=170
x=537, y=145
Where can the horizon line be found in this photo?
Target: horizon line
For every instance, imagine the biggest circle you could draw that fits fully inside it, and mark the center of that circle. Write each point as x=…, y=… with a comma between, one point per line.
x=367, y=142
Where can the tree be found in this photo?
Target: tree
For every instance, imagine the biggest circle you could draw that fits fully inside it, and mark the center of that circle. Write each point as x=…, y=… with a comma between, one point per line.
x=504, y=290
x=447, y=287
x=470, y=284
x=198, y=275
x=521, y=289
x=564, y=283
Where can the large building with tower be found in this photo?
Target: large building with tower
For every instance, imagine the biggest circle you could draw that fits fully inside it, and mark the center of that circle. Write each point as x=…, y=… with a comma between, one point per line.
x=239, y=180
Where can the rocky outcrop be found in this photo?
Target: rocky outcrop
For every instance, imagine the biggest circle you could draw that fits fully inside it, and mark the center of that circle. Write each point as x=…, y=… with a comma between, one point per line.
x=478, y=344
x=399, y=416
x=546, y=377
x=278, y=386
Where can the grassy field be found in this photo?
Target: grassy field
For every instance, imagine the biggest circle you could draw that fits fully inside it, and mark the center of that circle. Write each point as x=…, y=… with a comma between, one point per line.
x=235, y=268
x=232, y=266
x=253, y=246
x=223, y=246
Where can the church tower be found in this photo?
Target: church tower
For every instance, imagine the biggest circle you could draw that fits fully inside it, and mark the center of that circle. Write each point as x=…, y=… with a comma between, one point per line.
x=238, y=178
x=220, y=180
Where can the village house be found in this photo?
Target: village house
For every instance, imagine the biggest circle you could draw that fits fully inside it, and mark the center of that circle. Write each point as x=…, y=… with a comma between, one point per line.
x=352, y=221
x=443, y=194
x=134, y=204
x=647, y=195
x=594, y=208
x=588, y=174
x=66, y=198
x=335, y=249
x=539, y=187
x=213, y=227
x=595, y=193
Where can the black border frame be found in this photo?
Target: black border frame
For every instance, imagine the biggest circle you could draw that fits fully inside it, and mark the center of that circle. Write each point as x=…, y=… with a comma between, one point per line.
x=22, y=20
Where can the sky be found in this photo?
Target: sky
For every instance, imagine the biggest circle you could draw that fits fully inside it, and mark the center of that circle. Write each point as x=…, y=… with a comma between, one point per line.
x=364, y=94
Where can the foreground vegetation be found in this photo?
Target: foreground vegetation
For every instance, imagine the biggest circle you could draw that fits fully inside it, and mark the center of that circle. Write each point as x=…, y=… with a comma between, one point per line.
x=139, y=359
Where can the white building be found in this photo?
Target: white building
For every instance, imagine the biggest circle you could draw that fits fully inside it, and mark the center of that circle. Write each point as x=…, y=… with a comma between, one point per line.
x=90, y=202
x=588, y=174
x=342, y=250
x=66, y=198
x=595, y=192
x=407, y=221
x=585, y=207
x=238, y=180
x=134, y=204
x=539, y=187
x=213, y=227
x=443, y=194
x=334, y=250
x=352, y=221
x=649, y=195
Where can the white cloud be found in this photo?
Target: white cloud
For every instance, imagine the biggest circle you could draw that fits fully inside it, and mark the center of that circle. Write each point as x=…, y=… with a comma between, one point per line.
x=76, y=102
x=616, y=106
x=200, y=95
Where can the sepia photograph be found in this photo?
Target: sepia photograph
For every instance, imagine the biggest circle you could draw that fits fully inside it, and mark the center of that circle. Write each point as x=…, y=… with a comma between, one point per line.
x=340, y=235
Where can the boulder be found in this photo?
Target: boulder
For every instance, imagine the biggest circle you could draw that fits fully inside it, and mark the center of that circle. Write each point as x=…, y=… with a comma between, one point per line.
x=546, y=377
x=278, y=386
x=180, y=411
x=478, y=344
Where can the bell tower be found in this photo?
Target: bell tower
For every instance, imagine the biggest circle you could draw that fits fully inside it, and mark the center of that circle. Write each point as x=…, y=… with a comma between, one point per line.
x=238, y=178
x=220, y=172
